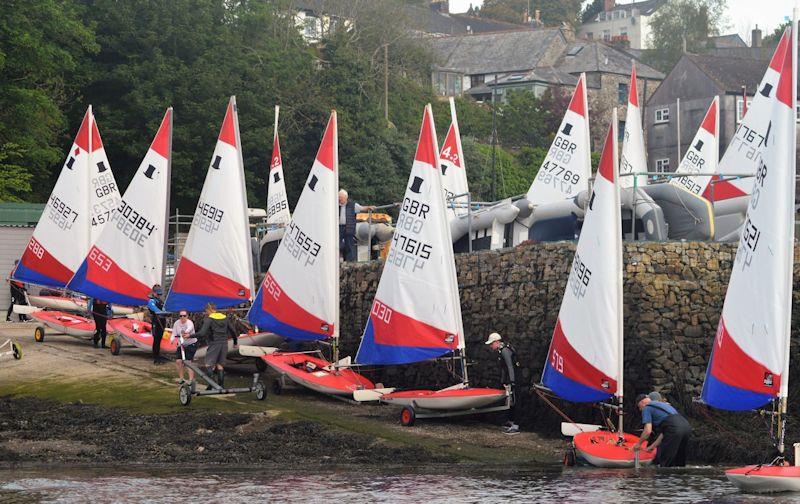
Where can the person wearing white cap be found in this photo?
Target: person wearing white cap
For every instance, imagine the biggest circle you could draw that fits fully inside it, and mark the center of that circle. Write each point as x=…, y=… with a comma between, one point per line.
x=509, y=372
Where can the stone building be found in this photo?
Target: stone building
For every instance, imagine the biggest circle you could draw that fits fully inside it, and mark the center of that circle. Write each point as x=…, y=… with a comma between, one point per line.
x=696, y=79
x=628, y=24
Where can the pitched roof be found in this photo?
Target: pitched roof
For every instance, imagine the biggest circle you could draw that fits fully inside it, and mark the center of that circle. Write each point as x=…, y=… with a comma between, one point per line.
x=20, y=214
x=730, y=74
x=497, y=52
x=596, y=56
x=730, y=40
x=645, y=7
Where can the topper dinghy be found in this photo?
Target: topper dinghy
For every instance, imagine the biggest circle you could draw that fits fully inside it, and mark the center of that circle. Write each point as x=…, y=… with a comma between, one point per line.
x=277, y=205
x=416, y=314
x=217, y=263
x=299, y=298
x=72, y=304
x=138, y=334
x=584, y=363
x=63, y=323
x=749, y=364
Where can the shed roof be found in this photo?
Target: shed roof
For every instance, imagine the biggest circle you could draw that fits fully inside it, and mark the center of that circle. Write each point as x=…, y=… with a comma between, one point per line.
x=20, y=214
x=729, y=73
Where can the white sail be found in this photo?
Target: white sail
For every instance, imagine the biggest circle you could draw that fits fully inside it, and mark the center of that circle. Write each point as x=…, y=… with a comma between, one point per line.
x=453, y=167
x=217, y=263
x=633, y=158
x=277, y=203
x=584, y=363
x=703, y=153
x=567, y=167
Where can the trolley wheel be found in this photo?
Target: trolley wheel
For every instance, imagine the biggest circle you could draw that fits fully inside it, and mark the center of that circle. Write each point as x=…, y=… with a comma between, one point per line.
x=261, y=390
x=185, y=394
x=407, y=416
x=17, y=349
x=38, y=334
x=277, y=386
x=261, y=366
x=115, y=346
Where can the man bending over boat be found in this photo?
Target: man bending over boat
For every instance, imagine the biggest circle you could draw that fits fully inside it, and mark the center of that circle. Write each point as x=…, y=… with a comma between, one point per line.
x=672, y=428
x=509, y=373
x=216, y=329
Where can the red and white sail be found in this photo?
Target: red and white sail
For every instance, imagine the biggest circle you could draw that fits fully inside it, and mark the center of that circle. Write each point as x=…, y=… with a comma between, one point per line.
x=567, y=167
x=743, y=153
x=633, y=158
x=217, y=263
x=277, y=203
x=703, y=153
x=416, y=314
x=127, y=259
x=584, y=363
x=750, y=356
x=82, y=202
x=299, y=298
x=454, y=169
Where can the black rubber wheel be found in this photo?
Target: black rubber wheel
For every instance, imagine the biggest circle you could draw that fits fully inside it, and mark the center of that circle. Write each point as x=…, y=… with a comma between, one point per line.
x=408, y=416
x=277, y=387
x=115, y=346
x=261, y=391
x=185, y=394
x=38, y=334
x=17, y=349
x=261, y=365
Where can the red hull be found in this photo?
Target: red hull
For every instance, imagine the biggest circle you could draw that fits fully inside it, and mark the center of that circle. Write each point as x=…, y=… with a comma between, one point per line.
x=142, y=338
x=766, y=478
x=67, y=323
x=295, y=366
x=601, y=449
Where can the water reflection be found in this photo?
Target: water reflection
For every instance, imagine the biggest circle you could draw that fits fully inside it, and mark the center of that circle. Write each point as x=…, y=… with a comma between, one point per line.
x=429, y=485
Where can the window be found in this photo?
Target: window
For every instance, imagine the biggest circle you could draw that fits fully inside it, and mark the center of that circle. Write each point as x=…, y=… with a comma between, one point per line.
x=615, y=14
x=622, y=93
x=662, y=165
x=622, y=14
x=620, y=131
x=448, y=83
x=662, y=115
x=310, y=27
x=477, y=79
x=607, y=35
x=590, y=35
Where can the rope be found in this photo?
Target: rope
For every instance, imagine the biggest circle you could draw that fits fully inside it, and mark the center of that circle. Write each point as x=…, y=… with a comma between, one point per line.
x=555, y=408
x=718, y=425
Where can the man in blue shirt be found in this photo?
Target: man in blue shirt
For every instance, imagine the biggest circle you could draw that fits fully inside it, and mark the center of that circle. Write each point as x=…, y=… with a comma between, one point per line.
x=673, y=431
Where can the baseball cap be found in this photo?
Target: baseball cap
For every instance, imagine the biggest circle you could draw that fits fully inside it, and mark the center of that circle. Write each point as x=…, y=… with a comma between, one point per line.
x=492, y=338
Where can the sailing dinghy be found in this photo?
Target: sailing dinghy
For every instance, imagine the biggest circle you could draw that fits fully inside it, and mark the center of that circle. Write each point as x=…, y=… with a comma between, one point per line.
x=277, y=204
x=299, y=298
x=749, y=364
x=584, y=363
x=454, y=171
x=701, y=159
x=80, y=205
x=633, y=158
x=416, y=314
x=217, y=264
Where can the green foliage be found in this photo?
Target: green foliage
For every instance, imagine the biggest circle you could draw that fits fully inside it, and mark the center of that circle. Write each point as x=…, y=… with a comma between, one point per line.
x=679, y=25
x=16, y=180
x=41, y=44
x=773, y=38
x=552, y=12
x=591, y=10
x=511, y=177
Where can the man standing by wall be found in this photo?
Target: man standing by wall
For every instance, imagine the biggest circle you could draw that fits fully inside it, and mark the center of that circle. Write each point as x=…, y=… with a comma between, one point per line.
x=509, y=374
x=347, y=225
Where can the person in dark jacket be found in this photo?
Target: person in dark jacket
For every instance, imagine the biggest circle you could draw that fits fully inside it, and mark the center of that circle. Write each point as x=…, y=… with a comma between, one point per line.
x=673, y=431
x=101, y=312
x=347, y=225
x=155, y=306
x=217, y=327
x=509, y=375
x=17, y=295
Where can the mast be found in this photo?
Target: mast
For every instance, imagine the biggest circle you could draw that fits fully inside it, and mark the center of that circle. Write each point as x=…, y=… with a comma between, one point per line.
x=784, y=390
x=588, y=165
x=618, y=258
x=243, y=192
x=275, y=127
x=88, y=207
x=166, y=214
x=335, y=223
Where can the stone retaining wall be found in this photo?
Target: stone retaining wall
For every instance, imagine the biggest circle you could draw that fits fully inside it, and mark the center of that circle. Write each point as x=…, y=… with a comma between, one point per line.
x=673, y=295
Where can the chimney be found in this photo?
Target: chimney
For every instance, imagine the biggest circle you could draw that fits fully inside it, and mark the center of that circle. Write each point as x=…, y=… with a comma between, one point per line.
x=755, y=37
x=442, y=6
x=608, y=5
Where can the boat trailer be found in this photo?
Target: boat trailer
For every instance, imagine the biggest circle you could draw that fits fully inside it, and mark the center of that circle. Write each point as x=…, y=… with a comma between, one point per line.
x=189, y=389
x=15, y=349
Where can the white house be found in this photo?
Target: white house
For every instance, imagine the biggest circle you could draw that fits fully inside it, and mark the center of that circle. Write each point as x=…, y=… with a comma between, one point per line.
x=619, y=23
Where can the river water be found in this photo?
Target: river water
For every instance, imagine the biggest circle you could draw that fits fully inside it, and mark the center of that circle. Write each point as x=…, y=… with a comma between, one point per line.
x=400, y=485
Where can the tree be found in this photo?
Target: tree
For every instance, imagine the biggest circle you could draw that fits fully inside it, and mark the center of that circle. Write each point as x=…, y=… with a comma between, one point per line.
x=775, y=37
x=41, y=46
x=592, y=10
x=682, y=26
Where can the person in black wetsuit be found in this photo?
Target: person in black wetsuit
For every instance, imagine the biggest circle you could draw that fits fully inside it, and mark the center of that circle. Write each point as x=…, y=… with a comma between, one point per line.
x=673, y=431
x=101, y=312
x=217, y=328
x=155, y=306
x=509, y=375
